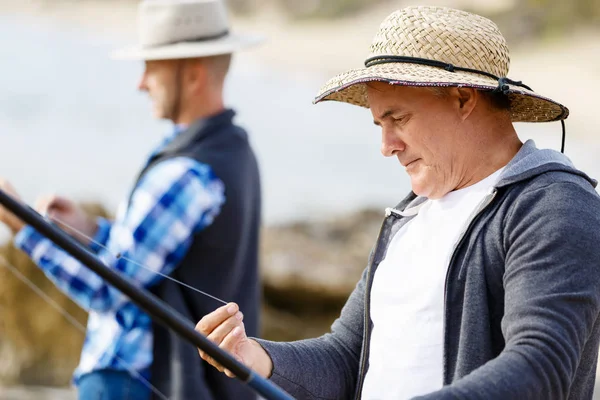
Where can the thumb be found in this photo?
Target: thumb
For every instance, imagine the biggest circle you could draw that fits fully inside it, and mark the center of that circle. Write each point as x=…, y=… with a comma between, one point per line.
x=61, y=203
x=49, y=203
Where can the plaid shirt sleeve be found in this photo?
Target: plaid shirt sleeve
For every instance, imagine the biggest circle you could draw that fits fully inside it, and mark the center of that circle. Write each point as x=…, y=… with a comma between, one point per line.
x=175, y=199
x=101, y=236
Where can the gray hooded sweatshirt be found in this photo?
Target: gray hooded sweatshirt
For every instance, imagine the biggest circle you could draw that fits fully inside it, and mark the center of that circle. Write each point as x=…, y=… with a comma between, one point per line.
x=522, y=297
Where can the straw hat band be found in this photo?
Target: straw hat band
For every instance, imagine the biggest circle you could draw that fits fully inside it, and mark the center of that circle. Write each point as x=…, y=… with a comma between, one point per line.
x=503, y=82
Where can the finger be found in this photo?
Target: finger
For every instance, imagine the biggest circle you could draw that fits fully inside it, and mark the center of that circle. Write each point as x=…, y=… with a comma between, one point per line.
x=211, y=361
x=219, y=333
x=229, y=373
x=205, y=357
x=8, y=188
x=230, y=343
x=46, y=203
x=54, y=207
x=42, y=203
x=54, y=202
x=61, y=203
x=234, y=337
x=4, y=184
x=210, y=321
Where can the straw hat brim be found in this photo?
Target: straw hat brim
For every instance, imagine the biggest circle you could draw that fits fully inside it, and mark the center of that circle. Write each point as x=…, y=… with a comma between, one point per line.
x=224, y=45
x=350, y=87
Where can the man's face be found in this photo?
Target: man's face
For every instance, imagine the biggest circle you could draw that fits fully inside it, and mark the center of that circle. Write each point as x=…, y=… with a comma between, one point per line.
x=421, y=128
x=161, y=81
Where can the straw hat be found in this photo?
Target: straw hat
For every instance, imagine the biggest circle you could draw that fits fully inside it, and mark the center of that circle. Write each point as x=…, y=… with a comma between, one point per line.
x=171, y=29
x=439, y=46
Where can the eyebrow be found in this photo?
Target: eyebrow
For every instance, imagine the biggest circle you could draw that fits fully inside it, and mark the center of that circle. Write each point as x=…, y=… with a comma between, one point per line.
x=386, y=114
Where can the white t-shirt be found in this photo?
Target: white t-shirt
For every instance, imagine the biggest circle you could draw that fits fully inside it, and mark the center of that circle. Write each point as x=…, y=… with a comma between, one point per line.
x=407, y=297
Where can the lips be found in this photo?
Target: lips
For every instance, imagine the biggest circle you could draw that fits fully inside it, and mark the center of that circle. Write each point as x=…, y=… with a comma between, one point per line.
x=407, y=164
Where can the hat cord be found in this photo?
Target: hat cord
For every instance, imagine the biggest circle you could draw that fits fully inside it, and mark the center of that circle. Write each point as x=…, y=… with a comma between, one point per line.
x=503, y=82
x=562, y=145
x=502, y=87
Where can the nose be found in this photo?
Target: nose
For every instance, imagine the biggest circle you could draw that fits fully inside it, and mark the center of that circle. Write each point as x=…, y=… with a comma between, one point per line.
x=391, y=143
x=142, y=84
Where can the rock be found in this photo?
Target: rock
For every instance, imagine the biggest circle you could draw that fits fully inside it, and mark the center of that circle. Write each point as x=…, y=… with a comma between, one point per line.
x=38, y=346
x=314, y=266
x=37, y=393
x=282, y=325
x=308, y=271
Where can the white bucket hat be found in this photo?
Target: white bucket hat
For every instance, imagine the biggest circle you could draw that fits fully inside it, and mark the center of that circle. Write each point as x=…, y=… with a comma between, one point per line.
x=174, y=29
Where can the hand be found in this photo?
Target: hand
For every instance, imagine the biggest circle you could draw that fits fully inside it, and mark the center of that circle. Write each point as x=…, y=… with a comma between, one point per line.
x=8, y=218
x=225, y=327
x=60, y=209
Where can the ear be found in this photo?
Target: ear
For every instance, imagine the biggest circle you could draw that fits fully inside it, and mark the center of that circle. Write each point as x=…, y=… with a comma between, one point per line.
x=466, y=100
x=196, y=74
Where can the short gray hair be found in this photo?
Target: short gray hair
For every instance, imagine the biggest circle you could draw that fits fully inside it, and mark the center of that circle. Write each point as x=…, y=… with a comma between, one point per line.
x=499, y=101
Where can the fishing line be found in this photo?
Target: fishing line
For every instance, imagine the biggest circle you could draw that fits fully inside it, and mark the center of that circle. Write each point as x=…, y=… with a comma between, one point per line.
x=119, y=255
x=73, y=321
x=161, y=311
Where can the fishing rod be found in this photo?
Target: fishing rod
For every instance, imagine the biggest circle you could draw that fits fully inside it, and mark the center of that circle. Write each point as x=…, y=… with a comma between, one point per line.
x=162, y=312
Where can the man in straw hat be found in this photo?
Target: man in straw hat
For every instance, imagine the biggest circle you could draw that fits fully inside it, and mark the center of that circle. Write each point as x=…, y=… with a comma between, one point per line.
x=484, y=281
x=193, y=214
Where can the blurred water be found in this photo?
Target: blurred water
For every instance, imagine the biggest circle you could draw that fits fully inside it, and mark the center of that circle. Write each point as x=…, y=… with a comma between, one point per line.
x=72, y=122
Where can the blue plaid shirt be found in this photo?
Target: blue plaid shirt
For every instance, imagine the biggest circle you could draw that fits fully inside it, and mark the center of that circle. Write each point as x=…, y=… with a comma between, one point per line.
x=174, y=199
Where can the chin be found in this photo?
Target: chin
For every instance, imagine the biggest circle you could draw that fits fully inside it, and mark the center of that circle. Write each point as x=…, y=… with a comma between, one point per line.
x=422, y=190
x=429, y=193
x=158, y=114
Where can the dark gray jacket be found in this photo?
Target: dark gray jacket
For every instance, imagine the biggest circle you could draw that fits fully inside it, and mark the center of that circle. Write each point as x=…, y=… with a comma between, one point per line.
x=522, y=297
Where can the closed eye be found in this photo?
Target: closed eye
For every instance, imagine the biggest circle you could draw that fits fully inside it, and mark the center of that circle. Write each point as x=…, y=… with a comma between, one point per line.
x=402, y=119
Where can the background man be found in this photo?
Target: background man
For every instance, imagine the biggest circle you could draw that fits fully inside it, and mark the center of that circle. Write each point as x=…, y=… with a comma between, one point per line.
x=193, y=213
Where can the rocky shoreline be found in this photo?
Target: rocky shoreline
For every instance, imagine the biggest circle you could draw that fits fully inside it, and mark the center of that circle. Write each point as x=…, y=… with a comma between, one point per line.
x=37, y=393
x=308, y=269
